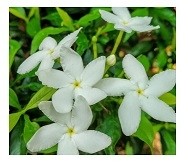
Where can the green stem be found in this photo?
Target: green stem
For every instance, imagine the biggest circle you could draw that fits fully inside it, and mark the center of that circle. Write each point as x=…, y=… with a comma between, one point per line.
x=94, y=50
x=118, y=40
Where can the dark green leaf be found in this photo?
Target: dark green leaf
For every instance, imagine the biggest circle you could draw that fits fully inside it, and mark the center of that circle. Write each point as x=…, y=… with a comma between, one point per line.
x=54, y=19
x=18, y=12
x=29, y=129
x=141, y=12
x=109, y=27
x=13, y=119
x=128, y=36
x=14, y=46
x=145, y=131
x=43, y=34
x=145, y=61
x=13, y=99
x=168, y=98
x=33, y=26
x=43, y=94
x=82, y=42
x=161, y=58
x=112, y=128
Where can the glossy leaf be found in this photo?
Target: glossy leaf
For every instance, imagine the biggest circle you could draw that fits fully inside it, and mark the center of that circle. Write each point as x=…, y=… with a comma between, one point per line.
x=18, y=12
x=161, y=58
x=43, y=94
x=29, y=128
x=111, y=127
x=13, y=119
x=67, y=20
x=33, y=26
x=168, y=98
x=145, y=131
x=54, y=19
x=14, y=46
x=43, y=34
x=13, y=99
x=145, y=61
x=82, y=42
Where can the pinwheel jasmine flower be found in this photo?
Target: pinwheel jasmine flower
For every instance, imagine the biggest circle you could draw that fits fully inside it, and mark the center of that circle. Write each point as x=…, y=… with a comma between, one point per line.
x=74, y=81
x=49, y=50
x=140, y=93
x=69, y=131
x=123, y=21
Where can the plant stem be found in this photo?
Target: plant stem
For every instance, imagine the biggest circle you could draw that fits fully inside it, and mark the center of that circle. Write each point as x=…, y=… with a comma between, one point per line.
x=118, y=40
x=94, y=50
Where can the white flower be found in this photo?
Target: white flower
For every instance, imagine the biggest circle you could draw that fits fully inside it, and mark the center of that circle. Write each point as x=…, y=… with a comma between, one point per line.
x=123, y=21
x=74, y=81
x=69, y=131
x=49, y=50
x=140, y=93
x=111, y=60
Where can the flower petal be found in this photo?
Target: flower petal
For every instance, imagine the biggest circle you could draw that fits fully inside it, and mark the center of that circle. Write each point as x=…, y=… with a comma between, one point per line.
x=134, y=69
x=92, y=141
x=122, y=12
x=69, y=39
x=92, y=95
x=67, y=147
x=130, y=113
x=140, y=21
x=109, y=17
x=157, y=109
x=46, y=63
x=123, y=28
x=94, y=71
x=114, y=86
x=81, y=114
x=48, y=43
x=144, y=28
x=161, y=83
x=71, y=62
x=46, y=137
x=31, y=62
x=62, y=100
x=47, y=108
x=54, y=78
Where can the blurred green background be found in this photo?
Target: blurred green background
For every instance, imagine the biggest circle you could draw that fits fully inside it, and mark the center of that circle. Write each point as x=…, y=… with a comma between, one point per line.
x=156, y=50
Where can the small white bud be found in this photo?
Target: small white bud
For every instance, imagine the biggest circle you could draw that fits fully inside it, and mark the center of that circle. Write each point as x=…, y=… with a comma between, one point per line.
x=111, y=60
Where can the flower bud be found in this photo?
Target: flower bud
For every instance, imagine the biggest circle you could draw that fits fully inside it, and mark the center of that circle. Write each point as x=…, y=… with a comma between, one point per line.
x=111, y=60
x=94, y=39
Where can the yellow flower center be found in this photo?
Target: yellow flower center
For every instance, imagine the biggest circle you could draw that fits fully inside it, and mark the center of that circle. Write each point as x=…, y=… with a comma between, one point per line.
x=70, y=131
x=125, y=22
x=51, y=51
x=76, y=84
x=140, y=91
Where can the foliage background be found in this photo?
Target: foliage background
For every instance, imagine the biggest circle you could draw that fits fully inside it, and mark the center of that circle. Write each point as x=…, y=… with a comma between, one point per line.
x=156, y=50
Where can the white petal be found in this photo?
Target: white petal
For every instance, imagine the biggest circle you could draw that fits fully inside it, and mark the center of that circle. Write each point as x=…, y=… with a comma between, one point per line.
x=71, y=62
x=46, y=63
x=92, y=95
x=123, y=28
x=94, y=71
x=144, y=28
x=92, y=141
x=46, y=137
x=109, y=17
x=69, y=39
x=122, y=12
x=81, y=114
x=134, y=69
x=62, y=100
x=158, y=109
x=114, y=86
x=140, y=21
x=130, y=113
x=47, y=108
x=67, y=147
x=54, y=78
x=31, y=62
x=48, y=43
x=161, y=83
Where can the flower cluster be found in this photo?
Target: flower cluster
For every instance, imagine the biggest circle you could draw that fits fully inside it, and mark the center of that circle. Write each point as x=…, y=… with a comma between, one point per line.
x=78, y=87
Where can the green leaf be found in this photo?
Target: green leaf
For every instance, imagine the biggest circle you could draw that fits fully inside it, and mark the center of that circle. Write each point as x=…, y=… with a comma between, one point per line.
x=109, y=27
x=169, y=142
x=54, y=19
x=33, y=26
x=43, y=94
x=168, y=98
x=88, y=18
x=161, y=58
x=13, y=119
x=141, y=12
x=129, y=149
x=111, y=127
x=14, y=46
x=145, y=61
x=18, y=12
x=67, y=20
x=145, y=131
x=128, y=36
x=49, y=150
x=43, y=34
x=13, y=99
x=29, y=128
x=82, y=42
